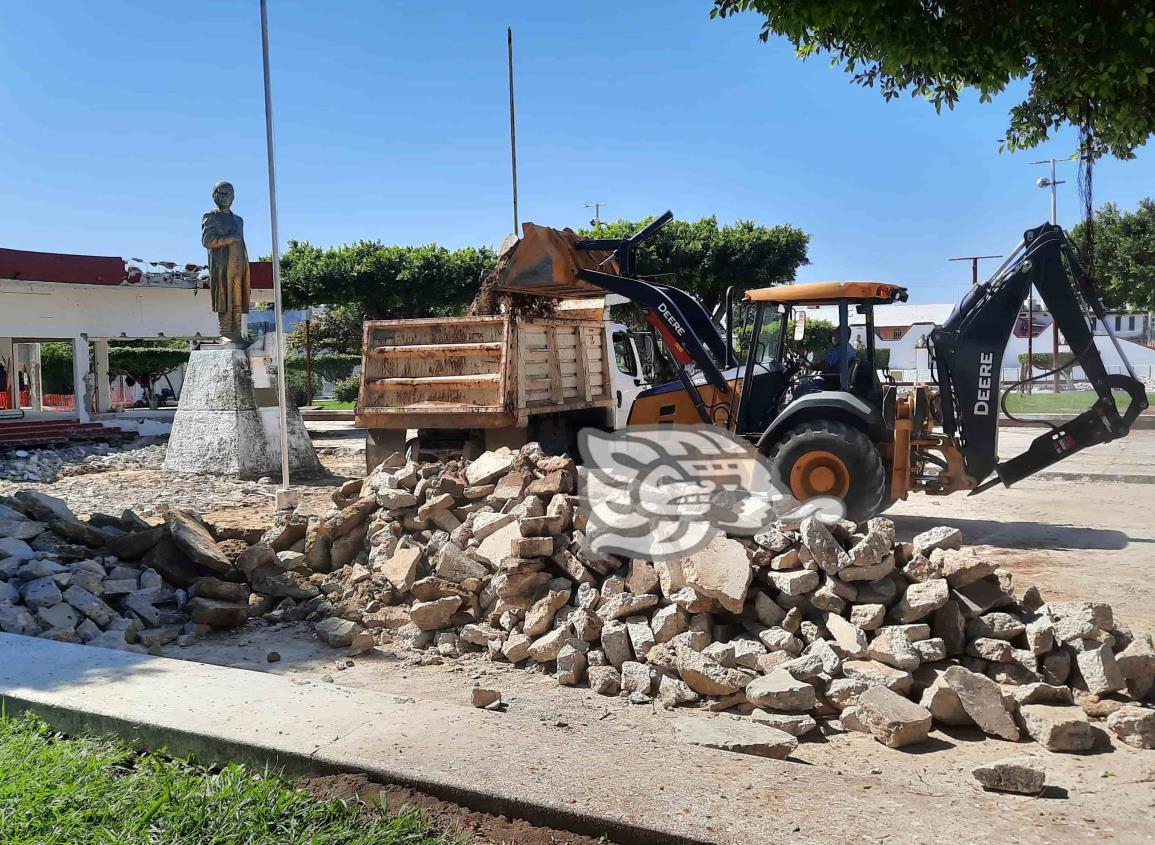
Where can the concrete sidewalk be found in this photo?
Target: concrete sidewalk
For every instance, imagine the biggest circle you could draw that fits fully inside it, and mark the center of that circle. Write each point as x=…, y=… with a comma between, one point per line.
x=586, y=778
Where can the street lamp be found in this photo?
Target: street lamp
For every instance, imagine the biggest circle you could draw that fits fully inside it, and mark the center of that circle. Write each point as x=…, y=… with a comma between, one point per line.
x=1053, y=184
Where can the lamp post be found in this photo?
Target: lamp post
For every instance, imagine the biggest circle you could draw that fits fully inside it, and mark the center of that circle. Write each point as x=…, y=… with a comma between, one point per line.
x=1053, y=184
x=597, y=207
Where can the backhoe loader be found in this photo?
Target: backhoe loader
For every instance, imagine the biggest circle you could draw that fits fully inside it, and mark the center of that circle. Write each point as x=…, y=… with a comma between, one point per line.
x=833, y=428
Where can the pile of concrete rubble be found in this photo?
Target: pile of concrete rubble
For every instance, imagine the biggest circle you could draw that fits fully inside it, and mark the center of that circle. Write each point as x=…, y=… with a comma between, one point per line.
x=798, y=624
x=801, y=625
x=110, y=581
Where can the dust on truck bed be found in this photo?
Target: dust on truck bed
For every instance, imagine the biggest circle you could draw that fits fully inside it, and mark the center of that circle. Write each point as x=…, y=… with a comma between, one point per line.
x=488, y=373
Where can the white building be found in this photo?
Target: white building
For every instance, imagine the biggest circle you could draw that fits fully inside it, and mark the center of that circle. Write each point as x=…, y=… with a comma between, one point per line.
x=905, y=328
x=88, y=300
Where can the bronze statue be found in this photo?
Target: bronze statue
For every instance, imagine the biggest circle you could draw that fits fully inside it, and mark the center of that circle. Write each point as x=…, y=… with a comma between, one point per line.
x=223, y=235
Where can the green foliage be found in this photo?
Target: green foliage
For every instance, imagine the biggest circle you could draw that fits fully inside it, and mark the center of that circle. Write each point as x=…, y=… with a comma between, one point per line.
x=145, y=363
x=817, y=339
x=327, y=366
x=881, y=358
x=1124, y=252
x=56, y=367
x=295, y=388
x=704, y=258
x=336, y=329
x=347, y=389
x=384, y=281
x=1044, y=361
x=1085, y=62
x=58, y=789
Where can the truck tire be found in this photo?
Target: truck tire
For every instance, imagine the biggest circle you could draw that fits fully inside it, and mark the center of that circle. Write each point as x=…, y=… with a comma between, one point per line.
x=828, y=458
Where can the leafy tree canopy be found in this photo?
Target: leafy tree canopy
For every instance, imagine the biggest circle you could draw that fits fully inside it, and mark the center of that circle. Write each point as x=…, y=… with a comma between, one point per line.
x=384, y=281
x=1124, y=255
x=337, y=329
x=1086, y=62
x=704, y=258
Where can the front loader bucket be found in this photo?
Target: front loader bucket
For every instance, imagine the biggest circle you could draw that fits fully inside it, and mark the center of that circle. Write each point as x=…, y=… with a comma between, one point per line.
x=546, y=261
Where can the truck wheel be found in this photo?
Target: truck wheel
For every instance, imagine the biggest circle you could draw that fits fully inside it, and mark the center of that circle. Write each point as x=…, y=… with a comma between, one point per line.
x=827, y=458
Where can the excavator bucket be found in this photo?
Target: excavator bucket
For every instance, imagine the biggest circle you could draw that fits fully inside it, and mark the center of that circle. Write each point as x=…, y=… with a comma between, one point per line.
x=546, y=262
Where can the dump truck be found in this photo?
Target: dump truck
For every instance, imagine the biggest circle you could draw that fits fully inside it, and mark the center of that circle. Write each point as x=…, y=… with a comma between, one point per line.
x=467, y=384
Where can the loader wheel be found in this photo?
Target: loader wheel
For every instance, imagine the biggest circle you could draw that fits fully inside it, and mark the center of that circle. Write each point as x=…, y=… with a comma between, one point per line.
x=827, y=458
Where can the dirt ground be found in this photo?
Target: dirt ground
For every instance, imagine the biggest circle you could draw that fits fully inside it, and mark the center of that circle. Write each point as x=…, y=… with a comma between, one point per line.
x=1073, y=539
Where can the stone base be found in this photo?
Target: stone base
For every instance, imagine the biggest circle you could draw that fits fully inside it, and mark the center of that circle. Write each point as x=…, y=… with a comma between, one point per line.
x=221, y=428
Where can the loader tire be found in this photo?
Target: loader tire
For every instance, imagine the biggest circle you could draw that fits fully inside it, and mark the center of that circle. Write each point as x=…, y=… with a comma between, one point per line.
x=828, y=458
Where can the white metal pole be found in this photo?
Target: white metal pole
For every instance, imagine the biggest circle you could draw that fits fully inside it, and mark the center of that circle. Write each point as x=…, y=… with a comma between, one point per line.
x=1054, y=197
x=512, y=126
x=277, y=312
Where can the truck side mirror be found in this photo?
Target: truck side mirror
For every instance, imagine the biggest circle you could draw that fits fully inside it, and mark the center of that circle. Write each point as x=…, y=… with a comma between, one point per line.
x=799, y=326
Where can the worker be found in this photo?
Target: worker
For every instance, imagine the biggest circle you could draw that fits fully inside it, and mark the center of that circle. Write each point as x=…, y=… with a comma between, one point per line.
x=840, y=352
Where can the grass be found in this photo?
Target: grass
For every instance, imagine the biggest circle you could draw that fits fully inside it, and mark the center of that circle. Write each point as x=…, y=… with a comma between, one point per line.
x=57, y=790
x=333, y=405
x=1065, y=402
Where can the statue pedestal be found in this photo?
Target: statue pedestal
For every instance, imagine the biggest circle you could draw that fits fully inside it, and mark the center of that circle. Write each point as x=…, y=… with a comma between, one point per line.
x=224, y=425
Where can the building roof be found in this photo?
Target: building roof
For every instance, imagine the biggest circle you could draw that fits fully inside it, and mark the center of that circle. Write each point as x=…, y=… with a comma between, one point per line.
x=816, y=292
x=64, y=268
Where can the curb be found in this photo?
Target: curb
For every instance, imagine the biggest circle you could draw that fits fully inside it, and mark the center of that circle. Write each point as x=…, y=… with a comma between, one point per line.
x=484, y=761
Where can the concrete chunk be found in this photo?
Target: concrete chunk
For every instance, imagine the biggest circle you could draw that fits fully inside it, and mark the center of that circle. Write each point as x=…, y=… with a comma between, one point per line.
x=733, y=735
x=891, y=719
x=1057, y=728
x=720, y=571
x=780, y=690
x=1020, y=775
x=1134, y=725
x=983, y=701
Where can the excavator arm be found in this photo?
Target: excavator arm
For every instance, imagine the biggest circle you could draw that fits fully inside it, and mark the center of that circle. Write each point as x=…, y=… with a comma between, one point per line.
x=968, y=352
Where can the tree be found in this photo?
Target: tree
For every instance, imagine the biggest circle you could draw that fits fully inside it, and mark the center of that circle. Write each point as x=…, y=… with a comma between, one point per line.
x=705, y=258
x=1124, y=250
x=1089, y=64
x=384, y=281
x=336, y=329
x=146, y=362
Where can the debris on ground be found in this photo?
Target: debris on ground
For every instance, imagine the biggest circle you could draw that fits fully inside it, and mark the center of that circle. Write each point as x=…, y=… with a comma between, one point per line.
x=1022, y=775
x=51, y=464
x=111, y=581
x=805, y=626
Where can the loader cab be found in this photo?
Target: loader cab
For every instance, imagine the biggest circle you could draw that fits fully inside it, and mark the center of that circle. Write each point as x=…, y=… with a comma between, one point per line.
x=811, y=398
x=788, y=355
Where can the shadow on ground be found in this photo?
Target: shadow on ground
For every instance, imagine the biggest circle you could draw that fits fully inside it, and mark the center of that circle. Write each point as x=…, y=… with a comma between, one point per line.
x=1020, y=535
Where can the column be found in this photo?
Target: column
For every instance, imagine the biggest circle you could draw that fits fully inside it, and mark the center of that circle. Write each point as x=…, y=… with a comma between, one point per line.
x=35, y=382
x=81, y=377
x=8, y=359
x=103, y=388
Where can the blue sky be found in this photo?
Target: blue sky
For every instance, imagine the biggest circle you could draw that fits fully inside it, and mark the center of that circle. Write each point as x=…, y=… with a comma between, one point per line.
x=392, y=123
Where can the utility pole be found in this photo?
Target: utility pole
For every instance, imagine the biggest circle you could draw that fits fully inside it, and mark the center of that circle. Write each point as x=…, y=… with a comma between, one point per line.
x=597, y=207
x=1053, y=184
x=512, y=125
x=974, y=260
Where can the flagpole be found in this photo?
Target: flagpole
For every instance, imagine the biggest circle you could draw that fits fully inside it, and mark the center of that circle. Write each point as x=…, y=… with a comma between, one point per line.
x=512, y=126
x=283, y=497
